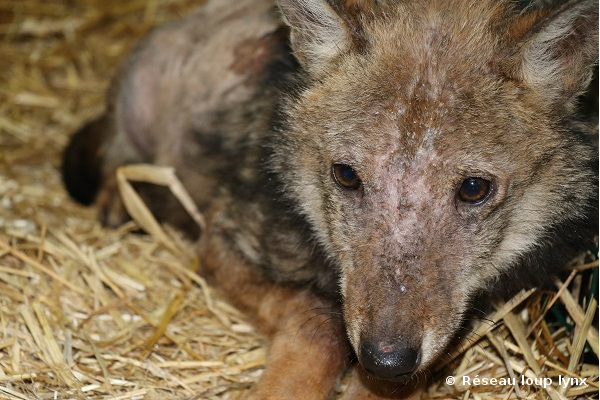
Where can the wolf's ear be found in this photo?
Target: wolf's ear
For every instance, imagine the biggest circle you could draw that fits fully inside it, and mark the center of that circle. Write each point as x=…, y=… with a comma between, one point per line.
x=318, y=33
x=557, y=54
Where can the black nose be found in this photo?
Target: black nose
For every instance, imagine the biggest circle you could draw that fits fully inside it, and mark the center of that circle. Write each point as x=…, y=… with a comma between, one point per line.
x=387, y=361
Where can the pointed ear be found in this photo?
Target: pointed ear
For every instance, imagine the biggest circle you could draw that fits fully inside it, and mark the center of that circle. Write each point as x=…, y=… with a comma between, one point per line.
x=557, y=54
x=318, y=33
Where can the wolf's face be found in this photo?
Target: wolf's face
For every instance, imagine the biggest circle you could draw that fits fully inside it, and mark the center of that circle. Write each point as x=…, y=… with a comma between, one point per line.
x=431, y=152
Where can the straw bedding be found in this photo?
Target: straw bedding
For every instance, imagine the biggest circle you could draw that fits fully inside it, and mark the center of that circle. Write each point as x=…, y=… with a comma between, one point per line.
x=92, y=313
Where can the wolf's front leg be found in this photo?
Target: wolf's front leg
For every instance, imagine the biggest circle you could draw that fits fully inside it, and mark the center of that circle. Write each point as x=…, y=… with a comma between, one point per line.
x=307, y=354
x=308, y=348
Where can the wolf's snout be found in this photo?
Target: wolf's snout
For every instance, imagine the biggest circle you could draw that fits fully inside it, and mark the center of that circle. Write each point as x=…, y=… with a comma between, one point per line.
x=388, y=361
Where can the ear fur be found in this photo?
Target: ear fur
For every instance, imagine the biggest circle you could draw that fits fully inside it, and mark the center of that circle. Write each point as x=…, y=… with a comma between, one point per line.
x=556, y=56
x=318, y=33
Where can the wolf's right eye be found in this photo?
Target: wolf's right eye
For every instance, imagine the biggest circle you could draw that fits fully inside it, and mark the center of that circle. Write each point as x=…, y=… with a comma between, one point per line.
x=474, y=190
x=345, y=176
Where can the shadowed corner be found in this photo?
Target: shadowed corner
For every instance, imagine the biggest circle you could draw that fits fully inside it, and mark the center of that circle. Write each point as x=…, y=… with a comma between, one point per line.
x=82, y=162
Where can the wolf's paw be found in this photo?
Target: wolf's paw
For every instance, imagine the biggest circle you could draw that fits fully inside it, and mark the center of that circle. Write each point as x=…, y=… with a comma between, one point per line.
x=112, y=212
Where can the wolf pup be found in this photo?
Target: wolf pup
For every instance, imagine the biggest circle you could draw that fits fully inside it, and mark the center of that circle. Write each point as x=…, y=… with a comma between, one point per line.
x=366, y=168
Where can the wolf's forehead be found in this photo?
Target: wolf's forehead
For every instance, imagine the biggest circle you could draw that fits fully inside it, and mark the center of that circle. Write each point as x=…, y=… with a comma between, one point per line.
x=415, y=83
x=414, y=97
x=436, y=44
x=418, y=119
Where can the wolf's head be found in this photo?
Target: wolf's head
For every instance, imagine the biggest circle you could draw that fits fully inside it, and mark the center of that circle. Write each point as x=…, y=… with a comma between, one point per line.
x=432, y=148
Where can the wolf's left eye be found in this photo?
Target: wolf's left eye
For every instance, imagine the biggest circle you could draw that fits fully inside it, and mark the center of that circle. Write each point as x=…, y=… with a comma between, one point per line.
x=474, y=190
x=345, y=176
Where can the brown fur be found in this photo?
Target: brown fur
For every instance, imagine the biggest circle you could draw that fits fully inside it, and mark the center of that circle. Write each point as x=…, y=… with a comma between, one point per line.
x=415, y=96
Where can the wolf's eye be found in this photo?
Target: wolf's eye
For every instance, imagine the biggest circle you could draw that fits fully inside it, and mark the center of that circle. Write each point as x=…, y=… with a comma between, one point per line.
x=345, y=176
x=474, y=190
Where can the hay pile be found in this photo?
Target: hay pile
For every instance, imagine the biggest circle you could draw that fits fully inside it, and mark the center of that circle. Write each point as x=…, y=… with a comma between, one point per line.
x=88, y=312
